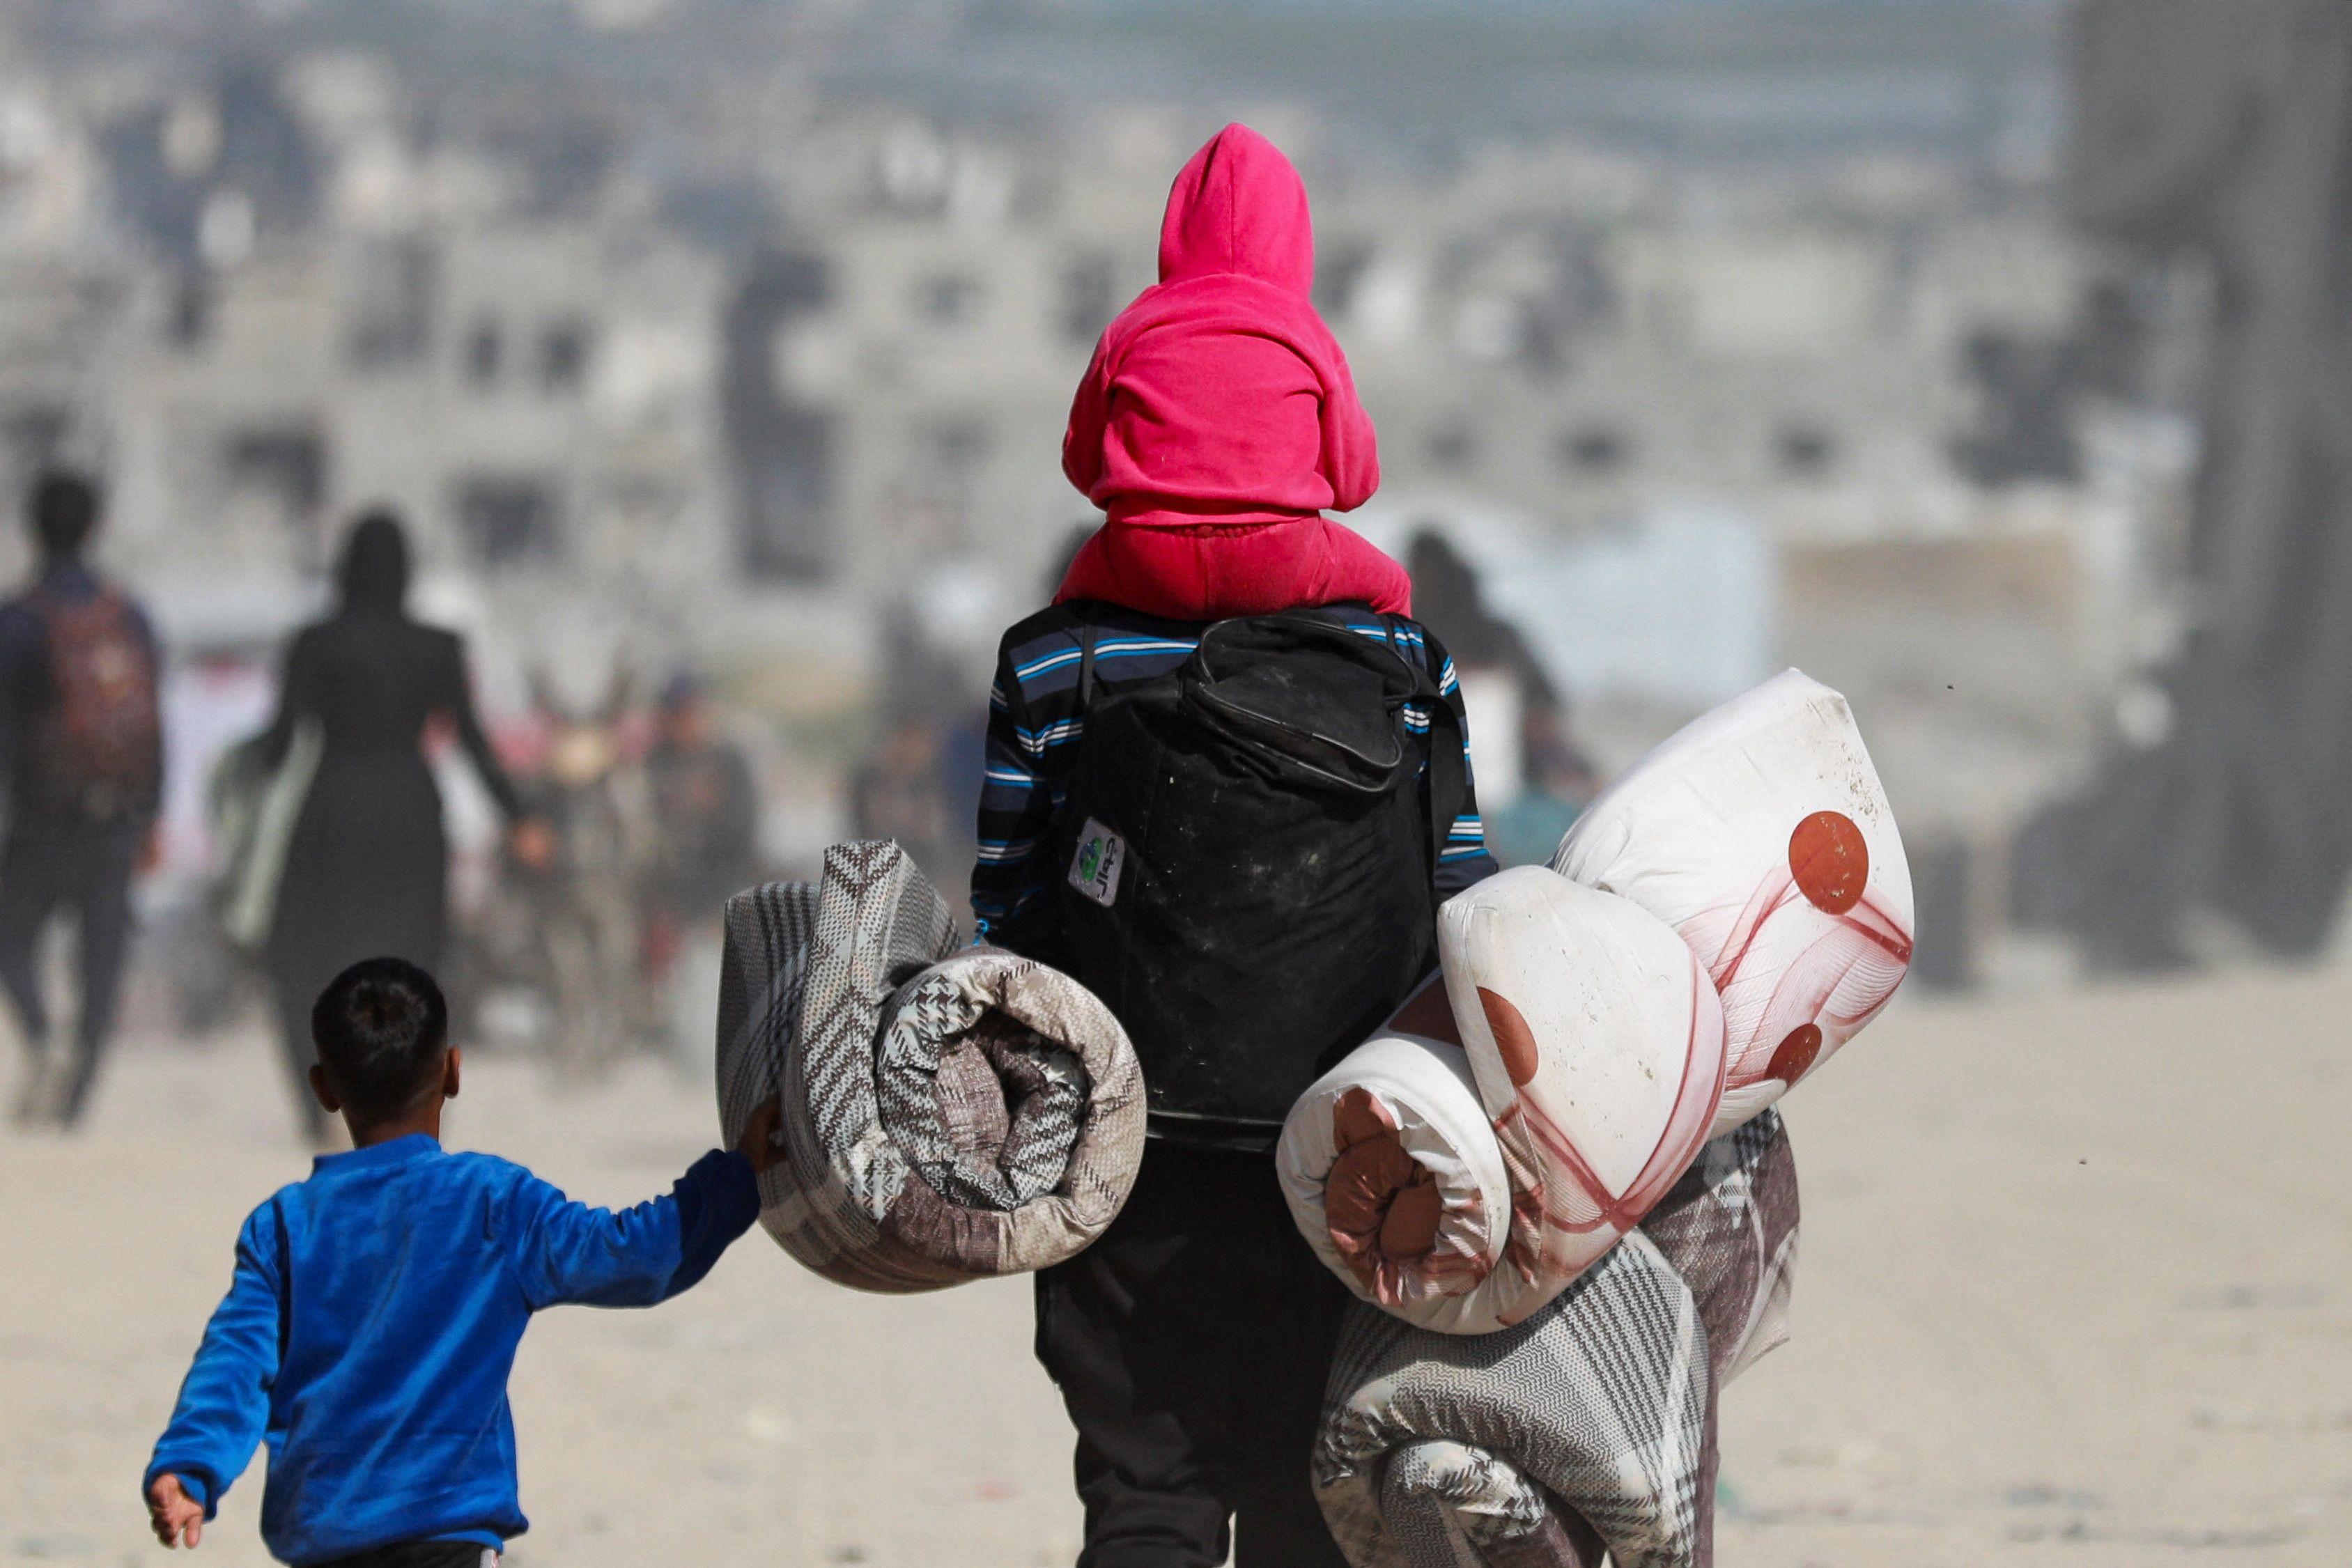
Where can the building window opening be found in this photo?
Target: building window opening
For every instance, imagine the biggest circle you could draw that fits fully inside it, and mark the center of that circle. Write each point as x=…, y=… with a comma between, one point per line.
x=1089, y=298
x=391, y=322
x=1595, y=449
x=289, y=466
x=190, y=318
x=949, y=299
x=1804, y=451
x=508, y=521
x=950, y=453
x=1452, y=449
x=564, y=357
x=485, y=347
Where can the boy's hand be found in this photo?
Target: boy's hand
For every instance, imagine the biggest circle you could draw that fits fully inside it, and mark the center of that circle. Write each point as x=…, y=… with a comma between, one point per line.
x=174, y=1515
x=759, y=1143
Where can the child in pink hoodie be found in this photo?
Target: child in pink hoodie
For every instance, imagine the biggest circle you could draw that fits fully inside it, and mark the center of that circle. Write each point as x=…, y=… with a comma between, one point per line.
x=1218, y=421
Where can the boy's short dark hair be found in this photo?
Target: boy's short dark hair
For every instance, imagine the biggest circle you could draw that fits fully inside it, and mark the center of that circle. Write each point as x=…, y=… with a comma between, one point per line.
x=381, y=1027
x=63, y=510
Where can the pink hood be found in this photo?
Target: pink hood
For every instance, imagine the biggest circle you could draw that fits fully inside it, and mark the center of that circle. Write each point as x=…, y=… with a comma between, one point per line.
x=1219, y=397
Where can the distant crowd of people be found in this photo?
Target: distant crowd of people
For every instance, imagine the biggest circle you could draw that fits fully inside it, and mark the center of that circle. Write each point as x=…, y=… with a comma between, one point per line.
x=346, y=854
x=622, y=840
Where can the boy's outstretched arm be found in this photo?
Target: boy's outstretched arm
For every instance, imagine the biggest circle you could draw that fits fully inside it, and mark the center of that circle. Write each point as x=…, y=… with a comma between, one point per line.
x=569, y=1252
x=224, y=1400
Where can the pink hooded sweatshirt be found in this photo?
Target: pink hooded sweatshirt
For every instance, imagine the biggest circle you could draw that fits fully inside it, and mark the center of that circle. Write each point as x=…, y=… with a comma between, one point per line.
x=1218, y=420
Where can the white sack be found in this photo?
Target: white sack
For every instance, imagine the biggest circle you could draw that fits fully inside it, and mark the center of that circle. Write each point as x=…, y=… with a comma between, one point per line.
x=1462, y=1188
x=1402, y=1097
x=1760, y=832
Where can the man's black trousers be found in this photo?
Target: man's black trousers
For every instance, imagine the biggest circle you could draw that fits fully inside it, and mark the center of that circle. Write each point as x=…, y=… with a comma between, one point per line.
x=1191, y=1345
x=68, y=866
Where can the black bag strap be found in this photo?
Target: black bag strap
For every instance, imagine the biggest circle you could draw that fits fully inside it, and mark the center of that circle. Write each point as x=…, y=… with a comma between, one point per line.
x=1449, y=774
x=1085, y=667
x=1449, y=771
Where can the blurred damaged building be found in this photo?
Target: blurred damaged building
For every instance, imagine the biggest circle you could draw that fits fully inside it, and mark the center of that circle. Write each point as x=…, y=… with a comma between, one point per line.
x=302, y=322
x=1715, y=340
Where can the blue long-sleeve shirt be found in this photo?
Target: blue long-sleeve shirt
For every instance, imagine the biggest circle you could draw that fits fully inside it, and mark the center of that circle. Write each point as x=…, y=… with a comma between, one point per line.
x=373, y=1320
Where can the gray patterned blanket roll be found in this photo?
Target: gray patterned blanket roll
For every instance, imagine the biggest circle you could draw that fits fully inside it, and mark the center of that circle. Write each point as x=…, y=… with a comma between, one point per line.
x=948, y=1114
x=1590, y=1428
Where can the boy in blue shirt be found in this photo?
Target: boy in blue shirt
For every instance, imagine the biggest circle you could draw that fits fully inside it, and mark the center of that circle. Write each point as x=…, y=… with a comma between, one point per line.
x=377, y=1307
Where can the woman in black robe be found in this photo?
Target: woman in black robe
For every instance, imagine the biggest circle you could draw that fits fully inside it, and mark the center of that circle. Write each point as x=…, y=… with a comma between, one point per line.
x=367, y=869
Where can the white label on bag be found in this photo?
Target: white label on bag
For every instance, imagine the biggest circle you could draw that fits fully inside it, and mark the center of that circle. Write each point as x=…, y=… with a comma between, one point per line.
x=1094, y=869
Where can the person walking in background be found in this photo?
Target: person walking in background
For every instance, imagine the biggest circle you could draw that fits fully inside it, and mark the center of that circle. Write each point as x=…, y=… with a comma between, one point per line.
x=81, y=746
x=367, y=868
x=1557, y=777
x=706, y=814
x=922, y=768
x=898, y=794
x=706, y=806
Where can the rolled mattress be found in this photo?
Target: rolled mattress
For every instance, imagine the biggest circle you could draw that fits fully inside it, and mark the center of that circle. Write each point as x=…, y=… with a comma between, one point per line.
x=1760, y=832
x=1461, y=1168
x=1590, y=1427
x=947, y=1115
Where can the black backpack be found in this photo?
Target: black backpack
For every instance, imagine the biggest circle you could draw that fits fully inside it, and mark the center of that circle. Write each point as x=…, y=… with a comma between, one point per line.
x=1248, y=859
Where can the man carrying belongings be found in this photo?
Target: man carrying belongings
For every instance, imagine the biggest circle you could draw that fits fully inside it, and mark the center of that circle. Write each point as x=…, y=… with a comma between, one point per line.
x=1227, y=786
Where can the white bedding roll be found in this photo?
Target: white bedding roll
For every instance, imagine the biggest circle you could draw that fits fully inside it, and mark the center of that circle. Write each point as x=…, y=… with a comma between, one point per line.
x=1761, y=833
x=1462, y=1167
x=1396, y=1180
x=1597, y=1043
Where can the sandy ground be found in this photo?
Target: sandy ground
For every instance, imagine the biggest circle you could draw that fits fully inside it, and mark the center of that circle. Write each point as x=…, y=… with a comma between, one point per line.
x=2076, y=1290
